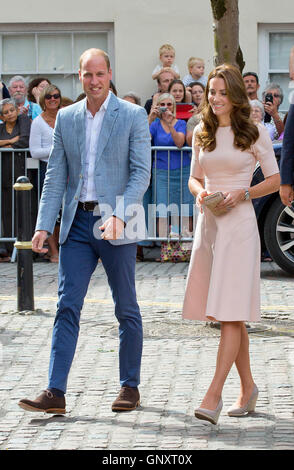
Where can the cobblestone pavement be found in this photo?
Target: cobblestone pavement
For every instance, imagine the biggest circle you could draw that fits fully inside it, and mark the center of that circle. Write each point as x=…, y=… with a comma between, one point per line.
x=178, y=362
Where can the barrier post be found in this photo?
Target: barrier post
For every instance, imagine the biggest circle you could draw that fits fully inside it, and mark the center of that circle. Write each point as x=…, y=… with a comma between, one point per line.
x=23, y=244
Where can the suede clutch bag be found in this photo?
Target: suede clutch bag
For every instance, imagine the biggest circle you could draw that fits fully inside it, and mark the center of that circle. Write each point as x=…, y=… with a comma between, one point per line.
x=212, y=200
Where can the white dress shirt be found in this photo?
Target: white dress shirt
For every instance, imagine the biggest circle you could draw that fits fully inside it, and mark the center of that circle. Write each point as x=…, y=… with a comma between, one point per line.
x=93, y=128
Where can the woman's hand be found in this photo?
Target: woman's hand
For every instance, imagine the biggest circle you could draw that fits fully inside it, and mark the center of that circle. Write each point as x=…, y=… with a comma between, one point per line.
x=154, y=113
x=232, y=199
x=9, y=142
x=167, y=117
x=271, y=109
x=200, y=199
x=36, y=92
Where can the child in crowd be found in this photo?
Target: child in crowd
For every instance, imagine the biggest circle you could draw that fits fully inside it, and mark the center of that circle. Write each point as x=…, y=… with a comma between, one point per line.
x=167, y=56
x=196, y=68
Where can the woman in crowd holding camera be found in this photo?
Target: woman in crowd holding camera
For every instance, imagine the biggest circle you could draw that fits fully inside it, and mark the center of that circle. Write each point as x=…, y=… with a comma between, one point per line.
x=168, y=166
x=221, y=287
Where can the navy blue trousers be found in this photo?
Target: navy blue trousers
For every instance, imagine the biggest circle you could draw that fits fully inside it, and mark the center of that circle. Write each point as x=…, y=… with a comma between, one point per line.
x=78, y=259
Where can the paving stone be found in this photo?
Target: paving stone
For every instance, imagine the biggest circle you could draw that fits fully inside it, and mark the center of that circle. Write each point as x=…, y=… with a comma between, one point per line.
x=177, y=366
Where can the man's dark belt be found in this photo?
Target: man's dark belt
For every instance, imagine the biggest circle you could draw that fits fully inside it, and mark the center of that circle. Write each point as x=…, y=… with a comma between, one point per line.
x=87, y=206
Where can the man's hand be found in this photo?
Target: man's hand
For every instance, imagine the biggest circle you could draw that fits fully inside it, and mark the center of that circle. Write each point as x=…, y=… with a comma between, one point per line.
x=112, y=228
x=38, y=241
x=286, y=194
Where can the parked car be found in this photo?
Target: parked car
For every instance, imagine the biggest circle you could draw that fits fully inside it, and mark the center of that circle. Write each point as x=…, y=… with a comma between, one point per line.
x=276, y=223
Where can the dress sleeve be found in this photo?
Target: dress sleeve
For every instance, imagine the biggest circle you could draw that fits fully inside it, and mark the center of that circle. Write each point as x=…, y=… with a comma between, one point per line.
x=196, y=169
x=264, y=152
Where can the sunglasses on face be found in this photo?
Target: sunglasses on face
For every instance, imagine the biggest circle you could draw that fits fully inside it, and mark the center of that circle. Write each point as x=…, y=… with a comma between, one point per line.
x=55, y=96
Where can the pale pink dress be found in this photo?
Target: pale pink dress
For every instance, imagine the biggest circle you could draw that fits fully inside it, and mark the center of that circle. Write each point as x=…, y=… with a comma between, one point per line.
x=224, y=274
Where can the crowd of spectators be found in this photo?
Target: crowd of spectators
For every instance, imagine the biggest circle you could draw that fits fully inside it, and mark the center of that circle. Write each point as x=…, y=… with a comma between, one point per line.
x=27, y=118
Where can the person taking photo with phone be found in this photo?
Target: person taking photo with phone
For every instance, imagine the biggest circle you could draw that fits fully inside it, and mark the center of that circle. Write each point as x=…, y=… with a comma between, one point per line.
x=272, y=98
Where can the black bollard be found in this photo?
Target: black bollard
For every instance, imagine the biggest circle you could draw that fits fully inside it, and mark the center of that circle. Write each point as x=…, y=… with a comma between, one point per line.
x=25, y=286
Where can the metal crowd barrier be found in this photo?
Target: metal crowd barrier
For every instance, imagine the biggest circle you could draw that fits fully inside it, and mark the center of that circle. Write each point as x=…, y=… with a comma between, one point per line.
x=173, y=210
x=32, y=170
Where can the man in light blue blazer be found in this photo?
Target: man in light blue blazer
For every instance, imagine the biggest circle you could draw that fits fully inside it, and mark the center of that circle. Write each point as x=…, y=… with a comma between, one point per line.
x=99, y=168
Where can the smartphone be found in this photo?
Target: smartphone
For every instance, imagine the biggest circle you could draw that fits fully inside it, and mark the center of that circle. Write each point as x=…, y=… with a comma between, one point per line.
x=268, y=99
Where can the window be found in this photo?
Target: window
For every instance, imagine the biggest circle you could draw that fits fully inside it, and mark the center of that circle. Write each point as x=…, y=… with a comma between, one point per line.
x=51, y=51
x=275, y=43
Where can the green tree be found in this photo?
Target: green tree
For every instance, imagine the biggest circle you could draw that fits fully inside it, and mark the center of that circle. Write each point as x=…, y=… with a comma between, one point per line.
x=226, y=33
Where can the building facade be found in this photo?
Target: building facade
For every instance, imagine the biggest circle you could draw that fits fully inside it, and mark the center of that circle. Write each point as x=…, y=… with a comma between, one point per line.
x=47, y=40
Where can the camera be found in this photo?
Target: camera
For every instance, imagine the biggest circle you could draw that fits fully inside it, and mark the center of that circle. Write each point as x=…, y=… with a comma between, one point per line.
x=268, y=98
x=162, y=109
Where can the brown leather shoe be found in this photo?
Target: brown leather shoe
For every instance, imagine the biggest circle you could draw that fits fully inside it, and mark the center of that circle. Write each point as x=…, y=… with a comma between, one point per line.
x=46, y=402
x=127, y=400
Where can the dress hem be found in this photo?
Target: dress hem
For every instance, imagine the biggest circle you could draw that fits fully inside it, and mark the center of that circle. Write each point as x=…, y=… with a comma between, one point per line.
x=219, y=320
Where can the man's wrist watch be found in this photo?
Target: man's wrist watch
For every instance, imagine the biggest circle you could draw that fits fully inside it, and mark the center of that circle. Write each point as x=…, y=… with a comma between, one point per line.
x=246, y=195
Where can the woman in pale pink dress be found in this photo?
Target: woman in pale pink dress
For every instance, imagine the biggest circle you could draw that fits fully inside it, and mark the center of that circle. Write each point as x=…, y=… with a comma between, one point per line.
x=224, y=274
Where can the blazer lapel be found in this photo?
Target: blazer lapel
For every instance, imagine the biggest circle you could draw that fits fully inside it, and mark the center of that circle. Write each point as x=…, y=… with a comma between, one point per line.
x=107, y=125
x=80, y=127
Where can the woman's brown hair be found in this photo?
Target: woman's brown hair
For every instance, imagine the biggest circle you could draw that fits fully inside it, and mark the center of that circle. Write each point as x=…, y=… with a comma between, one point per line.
x=35, y=82
x=245, y=131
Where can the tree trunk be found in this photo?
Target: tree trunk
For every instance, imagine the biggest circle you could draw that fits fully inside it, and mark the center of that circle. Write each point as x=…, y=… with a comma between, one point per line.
x=226, y=33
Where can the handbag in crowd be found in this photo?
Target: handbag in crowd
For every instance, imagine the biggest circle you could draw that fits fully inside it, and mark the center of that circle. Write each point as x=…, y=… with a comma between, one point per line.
x=175, y=252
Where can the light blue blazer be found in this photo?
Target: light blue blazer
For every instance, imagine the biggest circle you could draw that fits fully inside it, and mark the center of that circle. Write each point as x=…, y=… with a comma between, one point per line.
x=122, y=171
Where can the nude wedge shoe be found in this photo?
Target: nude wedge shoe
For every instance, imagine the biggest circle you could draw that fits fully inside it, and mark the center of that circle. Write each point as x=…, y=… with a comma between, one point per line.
x=249, y=407
x=209, y=415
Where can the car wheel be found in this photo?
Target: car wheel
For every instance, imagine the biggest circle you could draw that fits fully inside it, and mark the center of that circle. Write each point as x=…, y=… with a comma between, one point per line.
x=279, y=235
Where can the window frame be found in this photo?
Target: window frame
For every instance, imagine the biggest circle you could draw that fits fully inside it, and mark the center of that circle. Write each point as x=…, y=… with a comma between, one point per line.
x=39, y=29
x=264, y=31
